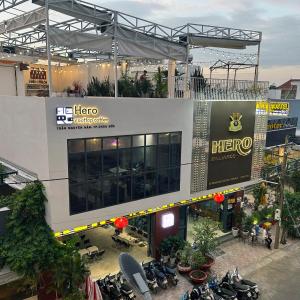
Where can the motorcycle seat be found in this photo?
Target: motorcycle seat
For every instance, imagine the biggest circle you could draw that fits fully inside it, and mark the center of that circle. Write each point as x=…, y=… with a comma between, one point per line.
x=241, y=286
x=248, y=282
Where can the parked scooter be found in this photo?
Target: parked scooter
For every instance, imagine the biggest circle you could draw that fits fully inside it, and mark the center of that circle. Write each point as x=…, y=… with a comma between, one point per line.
x=243, y=291
x=151, y=278
x=160, y=276
x=169, y=272
x=112, y=288
x=253, y=286
x=124, y=287
x=227, y=293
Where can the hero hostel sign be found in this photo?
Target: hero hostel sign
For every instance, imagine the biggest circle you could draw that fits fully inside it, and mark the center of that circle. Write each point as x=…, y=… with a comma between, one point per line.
x=231, y=142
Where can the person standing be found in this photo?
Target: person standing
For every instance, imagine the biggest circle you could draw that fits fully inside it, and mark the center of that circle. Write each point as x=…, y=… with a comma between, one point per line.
x=267, y=237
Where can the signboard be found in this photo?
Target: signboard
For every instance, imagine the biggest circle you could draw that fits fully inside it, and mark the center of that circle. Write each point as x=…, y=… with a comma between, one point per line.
x=231, y=142
x=279, y=124
x=80, y=115
x=273, y=108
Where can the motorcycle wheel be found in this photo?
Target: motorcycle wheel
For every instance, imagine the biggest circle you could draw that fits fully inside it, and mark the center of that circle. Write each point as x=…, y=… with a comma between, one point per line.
x=164, y=286
x=254, y=295
x=174, y=282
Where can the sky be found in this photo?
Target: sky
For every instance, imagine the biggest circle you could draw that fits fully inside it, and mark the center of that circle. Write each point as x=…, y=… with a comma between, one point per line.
x=279, y=21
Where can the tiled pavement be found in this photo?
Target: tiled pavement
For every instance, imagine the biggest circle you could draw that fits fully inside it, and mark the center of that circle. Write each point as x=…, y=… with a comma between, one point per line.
x=236, y=253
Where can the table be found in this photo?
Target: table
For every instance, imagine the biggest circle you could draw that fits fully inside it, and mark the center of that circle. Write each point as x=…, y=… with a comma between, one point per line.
x=93, y=249
x=83, y=252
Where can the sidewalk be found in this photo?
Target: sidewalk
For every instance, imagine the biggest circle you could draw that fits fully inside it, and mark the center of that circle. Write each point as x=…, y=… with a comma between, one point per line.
x=233, y=254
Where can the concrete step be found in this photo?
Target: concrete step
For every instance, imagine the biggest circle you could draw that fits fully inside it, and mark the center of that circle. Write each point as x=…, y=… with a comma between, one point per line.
x=225, y=238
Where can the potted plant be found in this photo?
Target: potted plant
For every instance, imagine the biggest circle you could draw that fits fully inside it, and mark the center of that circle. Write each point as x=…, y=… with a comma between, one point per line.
x=184, y=265
x=196, y=275
x=247, y=224
x=165, y=250
x=204, y=234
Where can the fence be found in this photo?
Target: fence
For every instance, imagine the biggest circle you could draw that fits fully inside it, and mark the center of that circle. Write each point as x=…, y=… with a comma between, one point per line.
x=219, y=89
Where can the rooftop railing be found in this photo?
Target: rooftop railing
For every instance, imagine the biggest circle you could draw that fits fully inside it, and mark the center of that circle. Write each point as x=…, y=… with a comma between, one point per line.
x=219, y=89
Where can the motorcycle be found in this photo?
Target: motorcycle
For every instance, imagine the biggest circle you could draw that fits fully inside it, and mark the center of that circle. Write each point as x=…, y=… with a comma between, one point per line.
x=243, y=291
x=227, y=293
x=151, y=278
x=124, y=287
x=160, y=276
x=169, y=272
x=103, y=289
x=253, y=286
x=112, y=288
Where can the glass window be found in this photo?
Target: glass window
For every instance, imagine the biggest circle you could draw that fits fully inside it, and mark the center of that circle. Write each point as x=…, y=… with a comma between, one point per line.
x=174, y=184
x=124, y=189
x=124, y=161
x=164, y=138
x=77, y=198
x=150, y=184
x=176, y=138
x=109, y=185
x=76, y=146
x=94, y=195
x=138, y=186
x=106, y=171
x=110, y=162
x=151, y=139
x=163, y=156
x=138, y=141
x=109, y=143
x=93, y=145
x=151, y=159
x=124, y=142
x=138, y=159
x=77, y=167
x=175, y=155
x=163, y=181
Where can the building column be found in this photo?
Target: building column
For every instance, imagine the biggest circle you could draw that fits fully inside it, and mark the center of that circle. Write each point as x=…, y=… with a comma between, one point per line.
x=171, y=78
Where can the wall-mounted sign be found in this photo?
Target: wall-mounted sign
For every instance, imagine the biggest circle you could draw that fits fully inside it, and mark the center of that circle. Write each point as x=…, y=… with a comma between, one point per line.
x=285, y=123
x=167, y=220
x=80, y=114
x=273, y=108
x=37, y=75
x=231, y=142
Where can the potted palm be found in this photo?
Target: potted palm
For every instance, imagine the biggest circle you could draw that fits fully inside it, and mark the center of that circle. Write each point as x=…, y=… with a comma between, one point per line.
x=204, y=234
x=184, y=265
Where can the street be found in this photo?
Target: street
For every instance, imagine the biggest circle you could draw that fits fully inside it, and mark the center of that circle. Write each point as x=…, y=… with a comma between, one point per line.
x=280, y=278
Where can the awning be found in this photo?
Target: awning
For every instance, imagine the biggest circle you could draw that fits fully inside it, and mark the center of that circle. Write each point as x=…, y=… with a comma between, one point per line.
x=80, y=40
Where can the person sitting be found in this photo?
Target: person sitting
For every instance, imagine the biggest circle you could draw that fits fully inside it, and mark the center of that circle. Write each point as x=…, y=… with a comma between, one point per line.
x=267, y=237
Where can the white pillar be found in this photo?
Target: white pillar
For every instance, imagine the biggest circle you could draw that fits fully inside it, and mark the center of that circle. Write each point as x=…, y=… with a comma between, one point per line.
x=171, y=78
x=48, y=49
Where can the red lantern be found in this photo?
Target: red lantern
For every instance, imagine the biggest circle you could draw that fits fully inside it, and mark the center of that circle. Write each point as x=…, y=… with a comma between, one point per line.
x=121, y=222
x=219, y=198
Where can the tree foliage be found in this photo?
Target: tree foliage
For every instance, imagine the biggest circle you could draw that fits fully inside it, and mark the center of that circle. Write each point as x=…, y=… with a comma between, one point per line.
x=29, y=247
x=296, y=181
x=291, y=211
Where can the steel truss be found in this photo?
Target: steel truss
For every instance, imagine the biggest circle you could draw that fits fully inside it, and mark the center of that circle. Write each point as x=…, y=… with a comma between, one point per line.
x=86, y=17
x=8, y=4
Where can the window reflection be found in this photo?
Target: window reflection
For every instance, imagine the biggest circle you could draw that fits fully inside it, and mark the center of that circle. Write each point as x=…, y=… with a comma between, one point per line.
x=108, y=171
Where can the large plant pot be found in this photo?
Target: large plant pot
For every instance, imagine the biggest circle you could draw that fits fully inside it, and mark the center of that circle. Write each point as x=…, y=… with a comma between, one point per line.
x=208, y=264
x=235, y=231
x=198, y=276
x=172, y=261
x=183, y=269
x=165, y=258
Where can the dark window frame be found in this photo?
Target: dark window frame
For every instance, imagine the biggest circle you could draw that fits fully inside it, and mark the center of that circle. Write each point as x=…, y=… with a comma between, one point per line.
x=143, y=172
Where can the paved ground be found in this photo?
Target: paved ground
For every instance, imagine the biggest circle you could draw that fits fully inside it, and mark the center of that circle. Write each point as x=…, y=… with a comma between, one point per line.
x=280, y=277
x=276, y=271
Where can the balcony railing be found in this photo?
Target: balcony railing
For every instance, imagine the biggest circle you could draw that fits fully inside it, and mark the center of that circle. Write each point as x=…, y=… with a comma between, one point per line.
x=219, y=89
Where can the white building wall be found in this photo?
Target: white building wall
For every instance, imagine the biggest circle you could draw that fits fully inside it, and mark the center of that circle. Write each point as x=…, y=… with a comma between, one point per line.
x=29, y=138
x=7, y=81
x=130, y=116
x=23, y=139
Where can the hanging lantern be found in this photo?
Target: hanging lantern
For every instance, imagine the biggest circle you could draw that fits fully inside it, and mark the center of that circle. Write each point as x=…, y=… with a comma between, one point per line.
x=121, y=222
x=219, y=198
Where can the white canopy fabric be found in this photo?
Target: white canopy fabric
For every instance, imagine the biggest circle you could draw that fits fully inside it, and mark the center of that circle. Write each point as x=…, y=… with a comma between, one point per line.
x=137, y=44
x=202, y=41
x=81, y=40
